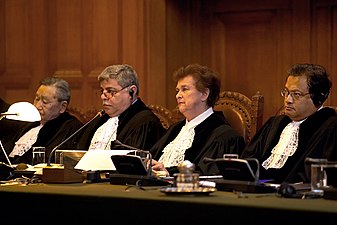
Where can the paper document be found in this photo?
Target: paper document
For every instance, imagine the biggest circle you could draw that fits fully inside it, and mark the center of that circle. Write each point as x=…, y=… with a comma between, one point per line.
x=95, y=160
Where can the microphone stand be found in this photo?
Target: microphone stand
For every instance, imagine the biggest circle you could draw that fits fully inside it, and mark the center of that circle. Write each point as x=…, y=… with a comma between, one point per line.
x=100, y=113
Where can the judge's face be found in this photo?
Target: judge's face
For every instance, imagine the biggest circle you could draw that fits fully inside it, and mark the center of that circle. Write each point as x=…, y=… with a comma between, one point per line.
x=116, y=99
x=47, y=104
x=298, y=103
x=191, y=102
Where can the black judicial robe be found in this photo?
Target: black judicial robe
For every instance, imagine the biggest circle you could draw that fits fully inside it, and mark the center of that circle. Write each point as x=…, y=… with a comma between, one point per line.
x=50, y=135
x=317, y=139
x=138, y=127
x=213, y=138
x=9, y=128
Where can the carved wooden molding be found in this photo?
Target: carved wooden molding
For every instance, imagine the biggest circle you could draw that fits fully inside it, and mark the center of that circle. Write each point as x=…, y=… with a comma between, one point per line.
x=249, y=110
x=167, y=117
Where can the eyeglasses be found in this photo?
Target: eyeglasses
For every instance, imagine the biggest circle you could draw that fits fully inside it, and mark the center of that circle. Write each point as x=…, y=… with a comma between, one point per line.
x=294, y=94
x=109, y=93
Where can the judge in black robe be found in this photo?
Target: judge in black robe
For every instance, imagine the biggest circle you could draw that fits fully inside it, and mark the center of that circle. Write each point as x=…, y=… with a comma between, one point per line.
x=138, y=127
x=203, y=133
x=51, y=101
x=213, y=138
x=50, y=135
x=317, y=139
x=312, y=130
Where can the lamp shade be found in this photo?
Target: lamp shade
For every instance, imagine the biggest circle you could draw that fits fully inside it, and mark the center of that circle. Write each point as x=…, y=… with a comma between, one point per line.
x=23, y=111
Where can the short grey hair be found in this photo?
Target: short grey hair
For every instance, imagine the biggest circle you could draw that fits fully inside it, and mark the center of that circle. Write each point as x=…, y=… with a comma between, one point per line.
x=63, y=91
x=124, y=74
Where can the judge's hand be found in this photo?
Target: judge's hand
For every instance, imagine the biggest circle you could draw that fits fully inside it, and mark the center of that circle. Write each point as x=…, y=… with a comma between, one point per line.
x=158, y=169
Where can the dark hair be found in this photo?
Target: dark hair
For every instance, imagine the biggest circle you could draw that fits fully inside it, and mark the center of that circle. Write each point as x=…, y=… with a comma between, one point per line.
x=124, y=74
x=318, y=81
x=205, y=79
x=63, y=91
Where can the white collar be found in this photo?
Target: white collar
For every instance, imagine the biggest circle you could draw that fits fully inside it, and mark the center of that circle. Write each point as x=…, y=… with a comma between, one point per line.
x=197, y=120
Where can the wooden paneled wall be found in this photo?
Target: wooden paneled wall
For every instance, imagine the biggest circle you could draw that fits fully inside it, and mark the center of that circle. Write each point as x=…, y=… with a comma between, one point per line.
x=250, y=43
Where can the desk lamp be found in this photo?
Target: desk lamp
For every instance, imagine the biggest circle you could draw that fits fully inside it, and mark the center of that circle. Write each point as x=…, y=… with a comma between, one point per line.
x=21, y=111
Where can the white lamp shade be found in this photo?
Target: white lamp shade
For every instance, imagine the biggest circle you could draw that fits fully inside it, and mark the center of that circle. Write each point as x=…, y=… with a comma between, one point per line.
x=23, y=111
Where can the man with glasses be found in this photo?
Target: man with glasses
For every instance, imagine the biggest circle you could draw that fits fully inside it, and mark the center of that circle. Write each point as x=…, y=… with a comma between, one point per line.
x=307, y=128
x=126, y=118
x=51, y=100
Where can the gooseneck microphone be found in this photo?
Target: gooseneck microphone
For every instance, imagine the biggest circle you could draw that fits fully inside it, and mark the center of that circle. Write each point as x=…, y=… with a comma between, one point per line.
x=100, y=114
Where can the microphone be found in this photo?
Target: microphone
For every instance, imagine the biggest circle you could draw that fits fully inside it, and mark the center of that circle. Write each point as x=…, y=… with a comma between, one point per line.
x=100, y=114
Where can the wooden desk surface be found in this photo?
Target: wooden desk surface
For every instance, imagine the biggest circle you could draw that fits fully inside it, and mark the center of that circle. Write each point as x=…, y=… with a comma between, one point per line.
x=104, y=203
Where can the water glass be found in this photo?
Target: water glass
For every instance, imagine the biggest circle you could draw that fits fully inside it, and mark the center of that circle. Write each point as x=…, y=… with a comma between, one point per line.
x=39, y=155
x=323, y=176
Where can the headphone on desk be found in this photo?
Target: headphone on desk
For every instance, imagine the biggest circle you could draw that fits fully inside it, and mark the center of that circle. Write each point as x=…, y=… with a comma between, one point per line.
x=288, y=191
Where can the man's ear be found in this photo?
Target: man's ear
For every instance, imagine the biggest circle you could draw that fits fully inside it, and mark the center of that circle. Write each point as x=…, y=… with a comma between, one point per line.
x=64, y=105
x=132, y=91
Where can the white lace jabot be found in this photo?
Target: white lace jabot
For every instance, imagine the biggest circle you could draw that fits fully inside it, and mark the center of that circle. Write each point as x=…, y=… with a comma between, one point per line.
x=286, y=146
x=104, y=135
x=174, y=152
x=25, y=142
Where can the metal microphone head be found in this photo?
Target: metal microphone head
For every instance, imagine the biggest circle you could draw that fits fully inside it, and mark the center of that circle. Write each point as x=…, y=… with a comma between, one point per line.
x=118, y=142
x=101, y=113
